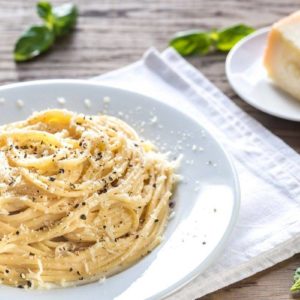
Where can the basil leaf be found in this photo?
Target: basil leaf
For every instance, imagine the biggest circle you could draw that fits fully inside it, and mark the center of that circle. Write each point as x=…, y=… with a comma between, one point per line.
x=228, y=37
x=296, y=286
x=44, y=10
x=198, y=42
x=33, y=42
x=188, y=43
x=58, y=21
x=65, y=17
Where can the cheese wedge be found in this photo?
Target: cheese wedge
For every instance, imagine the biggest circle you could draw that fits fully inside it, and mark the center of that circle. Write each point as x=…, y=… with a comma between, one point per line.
x=282, y=54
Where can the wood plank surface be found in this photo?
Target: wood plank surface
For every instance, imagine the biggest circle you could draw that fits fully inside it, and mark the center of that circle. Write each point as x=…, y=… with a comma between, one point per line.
x=111, y=34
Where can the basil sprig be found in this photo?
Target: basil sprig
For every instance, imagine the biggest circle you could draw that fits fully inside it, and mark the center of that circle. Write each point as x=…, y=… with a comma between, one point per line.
x=199, y=42
x=58, y=21
x=295, y=289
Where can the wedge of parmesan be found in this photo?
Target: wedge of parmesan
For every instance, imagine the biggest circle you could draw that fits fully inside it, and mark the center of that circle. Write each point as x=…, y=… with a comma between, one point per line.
x=282, y=54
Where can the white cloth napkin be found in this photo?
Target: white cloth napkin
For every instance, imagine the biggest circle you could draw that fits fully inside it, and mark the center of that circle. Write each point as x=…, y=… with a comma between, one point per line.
x=268, y=228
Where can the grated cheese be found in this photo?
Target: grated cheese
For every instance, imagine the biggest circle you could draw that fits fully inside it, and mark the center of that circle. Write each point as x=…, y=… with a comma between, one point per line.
x=61, y=100
x=87, y=103
x=20, y=103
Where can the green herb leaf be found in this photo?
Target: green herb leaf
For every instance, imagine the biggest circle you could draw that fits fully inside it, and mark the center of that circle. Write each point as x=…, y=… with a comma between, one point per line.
x=228, y=37
x=198, y=42
x=44, y=10
x=65, y=17
x=296, y=286
x=58, y=21
x=33, y=42
x=188, y=43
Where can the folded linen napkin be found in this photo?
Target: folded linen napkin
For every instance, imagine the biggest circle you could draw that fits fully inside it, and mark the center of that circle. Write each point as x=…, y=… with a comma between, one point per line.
x=268, y=228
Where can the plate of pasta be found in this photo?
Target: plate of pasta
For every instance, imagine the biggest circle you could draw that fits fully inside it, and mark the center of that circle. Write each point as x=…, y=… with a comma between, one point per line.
x=103, y=191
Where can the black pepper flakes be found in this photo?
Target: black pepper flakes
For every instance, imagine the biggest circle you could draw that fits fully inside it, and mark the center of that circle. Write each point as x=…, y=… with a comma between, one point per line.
x=114, y=183
x=17, y=232
x=103, y=191
x=61, y=171
x=156, y=220
x=29, y=284
x=20, y=286
x=171, y=204
x=83, y=217
x=99, y=156
x=51, y=178
x=71, y=269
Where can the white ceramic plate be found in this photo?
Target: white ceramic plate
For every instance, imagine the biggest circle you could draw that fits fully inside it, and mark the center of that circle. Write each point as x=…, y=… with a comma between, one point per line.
x=207, y=200
x=247, y=76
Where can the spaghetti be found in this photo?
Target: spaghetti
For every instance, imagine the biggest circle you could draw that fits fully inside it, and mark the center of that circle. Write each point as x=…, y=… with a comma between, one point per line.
x=81, y=198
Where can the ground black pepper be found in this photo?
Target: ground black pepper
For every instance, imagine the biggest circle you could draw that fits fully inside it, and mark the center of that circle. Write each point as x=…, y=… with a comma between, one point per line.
x=171, y=204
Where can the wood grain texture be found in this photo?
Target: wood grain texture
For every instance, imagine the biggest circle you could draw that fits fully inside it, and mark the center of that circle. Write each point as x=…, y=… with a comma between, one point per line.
x=111, y=34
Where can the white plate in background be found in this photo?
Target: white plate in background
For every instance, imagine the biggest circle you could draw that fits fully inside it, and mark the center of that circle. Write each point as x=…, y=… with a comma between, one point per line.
x=248, y=77
x=207, y=200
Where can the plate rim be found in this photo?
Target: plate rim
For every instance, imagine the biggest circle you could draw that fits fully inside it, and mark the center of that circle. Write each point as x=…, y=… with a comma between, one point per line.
x=235, y=187
x=235, y=87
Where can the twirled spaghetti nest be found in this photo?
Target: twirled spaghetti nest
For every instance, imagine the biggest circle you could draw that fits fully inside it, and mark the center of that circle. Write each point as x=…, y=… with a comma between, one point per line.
x=81, y=197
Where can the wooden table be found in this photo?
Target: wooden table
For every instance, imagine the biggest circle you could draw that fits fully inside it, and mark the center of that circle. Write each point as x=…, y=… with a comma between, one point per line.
x=111, y=34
